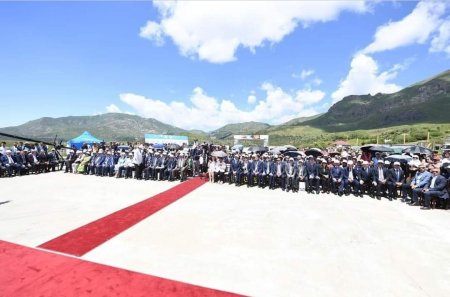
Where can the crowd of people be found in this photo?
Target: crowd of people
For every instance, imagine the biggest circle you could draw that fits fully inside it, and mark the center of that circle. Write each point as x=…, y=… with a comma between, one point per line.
x=422, y=181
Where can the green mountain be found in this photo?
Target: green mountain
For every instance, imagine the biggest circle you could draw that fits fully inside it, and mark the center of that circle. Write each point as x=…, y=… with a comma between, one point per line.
x=240, y=128
x=424, y=102
x=300, y=120
x=110, y=126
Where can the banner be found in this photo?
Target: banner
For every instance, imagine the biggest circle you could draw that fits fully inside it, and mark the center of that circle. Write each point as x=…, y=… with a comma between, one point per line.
x=159, y=138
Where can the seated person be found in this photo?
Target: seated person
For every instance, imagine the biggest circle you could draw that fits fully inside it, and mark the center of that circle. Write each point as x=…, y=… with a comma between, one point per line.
x=436, y=188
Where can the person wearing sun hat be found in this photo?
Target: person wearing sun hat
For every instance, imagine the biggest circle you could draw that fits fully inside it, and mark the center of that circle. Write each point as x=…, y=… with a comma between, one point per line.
x=396, y=179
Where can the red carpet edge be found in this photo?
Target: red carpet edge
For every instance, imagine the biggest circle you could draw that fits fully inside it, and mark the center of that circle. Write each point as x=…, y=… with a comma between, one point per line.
x=29, y=272
x=84, y=239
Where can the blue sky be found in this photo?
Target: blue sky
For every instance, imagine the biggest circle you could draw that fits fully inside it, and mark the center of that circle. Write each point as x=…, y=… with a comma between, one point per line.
x=200, y=65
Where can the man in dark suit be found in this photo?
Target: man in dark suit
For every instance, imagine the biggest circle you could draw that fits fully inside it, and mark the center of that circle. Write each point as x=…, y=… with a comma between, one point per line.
x=234, y=169
x=291, y=175
x=277, y=173
x=352, y=180
x=380, y=175
x=312, y=175
x=337, y=175
x=396, y=179
x=418, y=184
x=9, y=163
x=437, y=188
x=70, y=158
x=98, y=163
x=22, y=162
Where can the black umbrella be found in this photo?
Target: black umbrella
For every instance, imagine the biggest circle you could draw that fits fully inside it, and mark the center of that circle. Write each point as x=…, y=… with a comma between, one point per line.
x=417, y=150
x=381, y=149
x=257, y=149
x=173, y=146
x=314, y=152
x=293, y=154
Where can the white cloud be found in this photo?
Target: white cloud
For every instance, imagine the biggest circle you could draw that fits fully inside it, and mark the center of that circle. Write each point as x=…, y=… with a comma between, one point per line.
x=414, y=28
x=208, y=113
x=214, y=30
x=441, y=41
x=112, y=108
x=304, y=74
x=152, y=31
x=364, y=77
x=251, y=99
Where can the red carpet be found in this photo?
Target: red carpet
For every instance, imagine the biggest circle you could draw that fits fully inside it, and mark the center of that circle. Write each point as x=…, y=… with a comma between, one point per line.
x=27, y=272
x=80, y=241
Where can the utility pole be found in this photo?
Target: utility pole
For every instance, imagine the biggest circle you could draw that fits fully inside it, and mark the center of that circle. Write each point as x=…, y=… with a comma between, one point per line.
x=404, y=137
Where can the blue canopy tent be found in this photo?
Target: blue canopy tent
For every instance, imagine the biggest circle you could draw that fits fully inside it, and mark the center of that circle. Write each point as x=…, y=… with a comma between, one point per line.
x=85, y=137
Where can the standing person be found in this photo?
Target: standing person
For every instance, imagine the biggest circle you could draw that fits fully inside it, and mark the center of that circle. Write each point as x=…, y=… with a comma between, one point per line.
x=138, y=161
x=212, y=169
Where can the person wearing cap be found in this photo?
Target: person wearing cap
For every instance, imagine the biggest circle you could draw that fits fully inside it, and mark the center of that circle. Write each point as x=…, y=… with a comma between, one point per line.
x=337, y=175
x=380, y=175
x=23, y=166
x=352, y=179
x=264, y=176
x=277, y=174
x=436, y=188
x=73, y=160
x=129, y=165
x=235, y=167
x=171, y=165
x=312, y=176
x=291, y=175
x=33, y=159
x=161, y=169
x=324, y=174
x=108, y=165
x=301, y=173
x=53, y=160
x=396, y=179
x=81, y=168
x=365, y=179
x=155, y=163
x=138, y=161
x=419, y=182
x=147, y=165
x=9, y=162
x=415, y=161
x=120, y=166
x=98, y=162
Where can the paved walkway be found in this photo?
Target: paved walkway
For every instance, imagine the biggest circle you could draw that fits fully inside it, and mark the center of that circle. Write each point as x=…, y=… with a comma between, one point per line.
x=247, y=241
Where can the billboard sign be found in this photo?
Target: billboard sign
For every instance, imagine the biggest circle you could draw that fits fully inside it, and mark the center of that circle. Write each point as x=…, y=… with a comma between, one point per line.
x=160, y=138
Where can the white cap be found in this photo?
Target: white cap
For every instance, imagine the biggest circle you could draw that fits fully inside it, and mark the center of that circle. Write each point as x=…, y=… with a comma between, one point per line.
x=387, y=162
x=397, y=163
x=350, y=162
x=8, y=151
x=365, y=163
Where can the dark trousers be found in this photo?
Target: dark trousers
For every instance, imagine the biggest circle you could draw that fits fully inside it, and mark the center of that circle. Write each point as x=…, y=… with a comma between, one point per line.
x=312, y=184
